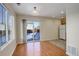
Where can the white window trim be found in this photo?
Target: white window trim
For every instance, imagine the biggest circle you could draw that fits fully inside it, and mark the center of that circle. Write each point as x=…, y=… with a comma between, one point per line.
x=5, y=45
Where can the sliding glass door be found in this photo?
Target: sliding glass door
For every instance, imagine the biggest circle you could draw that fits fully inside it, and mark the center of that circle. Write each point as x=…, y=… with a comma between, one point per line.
x=33, y=31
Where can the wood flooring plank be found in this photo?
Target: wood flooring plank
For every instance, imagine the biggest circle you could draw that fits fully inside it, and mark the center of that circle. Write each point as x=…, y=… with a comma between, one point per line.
x=43, y=48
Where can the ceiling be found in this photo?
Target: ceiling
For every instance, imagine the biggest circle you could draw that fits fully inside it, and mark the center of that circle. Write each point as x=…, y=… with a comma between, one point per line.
x=54, y=10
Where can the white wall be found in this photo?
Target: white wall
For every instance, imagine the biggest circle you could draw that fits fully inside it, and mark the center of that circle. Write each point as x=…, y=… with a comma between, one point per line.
x=72, y=27
x=19, y=30
x=9, y=47
x=48, y=28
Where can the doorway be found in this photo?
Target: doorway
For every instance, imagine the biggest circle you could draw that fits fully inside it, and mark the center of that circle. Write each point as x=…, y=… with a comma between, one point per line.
x=32, y=32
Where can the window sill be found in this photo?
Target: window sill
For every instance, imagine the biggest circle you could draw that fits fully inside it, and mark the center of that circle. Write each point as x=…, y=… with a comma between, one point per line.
x=5, y=45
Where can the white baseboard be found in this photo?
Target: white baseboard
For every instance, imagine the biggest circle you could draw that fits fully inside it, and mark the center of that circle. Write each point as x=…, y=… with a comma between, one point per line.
x=47, y=39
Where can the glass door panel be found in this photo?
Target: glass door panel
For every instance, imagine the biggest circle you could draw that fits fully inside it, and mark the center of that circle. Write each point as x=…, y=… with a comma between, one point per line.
x=29, y=35
x=36, y=31
x=33, y=31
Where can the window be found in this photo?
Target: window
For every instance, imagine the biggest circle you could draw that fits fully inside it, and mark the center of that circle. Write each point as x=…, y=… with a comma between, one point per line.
x=1, y=9
x=5, y=25
x=2, y=27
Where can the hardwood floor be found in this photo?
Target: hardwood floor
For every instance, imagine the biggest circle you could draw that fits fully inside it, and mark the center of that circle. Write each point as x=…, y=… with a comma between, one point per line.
x=38, y=49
